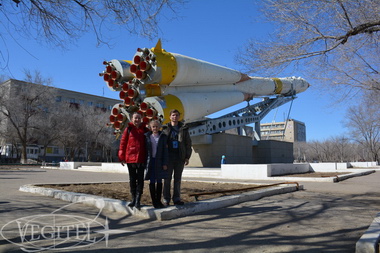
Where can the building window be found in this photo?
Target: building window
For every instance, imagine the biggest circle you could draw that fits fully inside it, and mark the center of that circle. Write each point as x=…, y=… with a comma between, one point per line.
x=49, y=150
x=58, y=99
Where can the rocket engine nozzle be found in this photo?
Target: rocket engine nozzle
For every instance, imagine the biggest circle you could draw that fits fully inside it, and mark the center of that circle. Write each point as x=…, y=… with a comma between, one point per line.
x=151, y=113
x=116, y=73
x=144, y=106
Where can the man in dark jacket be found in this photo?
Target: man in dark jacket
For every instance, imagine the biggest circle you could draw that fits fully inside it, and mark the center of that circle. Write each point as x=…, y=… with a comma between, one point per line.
x=179, y=145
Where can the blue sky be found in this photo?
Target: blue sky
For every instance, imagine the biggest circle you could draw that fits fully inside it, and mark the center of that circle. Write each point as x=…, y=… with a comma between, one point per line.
x=210, y=30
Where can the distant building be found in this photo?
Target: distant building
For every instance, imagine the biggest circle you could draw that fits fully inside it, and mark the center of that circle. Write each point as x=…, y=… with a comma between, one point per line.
x=9, y=89
x=290, y=131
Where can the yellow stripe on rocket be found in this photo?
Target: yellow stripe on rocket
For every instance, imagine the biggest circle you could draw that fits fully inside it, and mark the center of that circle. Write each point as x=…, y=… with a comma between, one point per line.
x=166, y=62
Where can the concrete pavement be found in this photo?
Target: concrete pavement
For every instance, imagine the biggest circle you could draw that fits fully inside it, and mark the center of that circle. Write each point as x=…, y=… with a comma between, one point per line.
x=324, y=217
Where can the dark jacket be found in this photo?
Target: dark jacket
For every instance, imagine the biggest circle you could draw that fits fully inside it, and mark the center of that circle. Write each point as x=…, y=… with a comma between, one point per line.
x=184, y=140
x=132, y=144
x=160, y=159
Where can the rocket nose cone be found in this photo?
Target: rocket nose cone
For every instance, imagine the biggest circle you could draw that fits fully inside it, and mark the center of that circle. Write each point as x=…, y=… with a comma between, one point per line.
x=307, y=84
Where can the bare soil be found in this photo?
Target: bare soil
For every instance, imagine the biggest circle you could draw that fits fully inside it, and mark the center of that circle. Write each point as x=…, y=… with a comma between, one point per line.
x=120, y=190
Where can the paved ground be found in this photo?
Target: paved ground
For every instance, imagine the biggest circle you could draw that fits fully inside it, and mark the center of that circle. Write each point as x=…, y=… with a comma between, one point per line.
x=324, y=217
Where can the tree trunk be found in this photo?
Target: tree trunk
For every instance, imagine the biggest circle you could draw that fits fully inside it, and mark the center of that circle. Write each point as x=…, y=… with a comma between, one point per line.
x=24, y=158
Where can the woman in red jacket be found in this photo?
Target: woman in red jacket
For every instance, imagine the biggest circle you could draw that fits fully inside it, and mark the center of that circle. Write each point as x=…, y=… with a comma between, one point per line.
x=132, y=151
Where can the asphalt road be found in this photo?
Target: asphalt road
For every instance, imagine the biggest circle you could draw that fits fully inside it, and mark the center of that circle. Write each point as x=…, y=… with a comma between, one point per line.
x=324, y=217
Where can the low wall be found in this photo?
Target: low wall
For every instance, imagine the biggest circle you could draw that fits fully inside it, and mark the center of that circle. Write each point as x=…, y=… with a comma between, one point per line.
x=363, y=164
x=231, y=171
x=261, y=171
x=75, y=165
x=114, y=167
x=326, y=167
x=245, y=171
x=287, y=168
x=322, y=167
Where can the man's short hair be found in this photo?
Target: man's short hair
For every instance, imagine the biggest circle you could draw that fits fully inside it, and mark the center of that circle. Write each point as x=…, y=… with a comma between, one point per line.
x=174, y=111
x=139, y=113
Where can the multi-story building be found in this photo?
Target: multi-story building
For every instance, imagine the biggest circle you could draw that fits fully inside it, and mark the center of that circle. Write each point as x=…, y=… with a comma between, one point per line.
x=290, y=131
x=9, y=89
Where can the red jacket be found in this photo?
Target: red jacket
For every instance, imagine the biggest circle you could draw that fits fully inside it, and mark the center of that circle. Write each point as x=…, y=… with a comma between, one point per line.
x=132, y=144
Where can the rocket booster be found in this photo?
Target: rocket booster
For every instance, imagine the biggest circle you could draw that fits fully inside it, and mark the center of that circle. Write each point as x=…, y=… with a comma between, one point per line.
x=156, y=81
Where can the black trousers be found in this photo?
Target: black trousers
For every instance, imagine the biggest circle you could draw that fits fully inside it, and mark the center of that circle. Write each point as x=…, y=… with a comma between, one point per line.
x=136, y=178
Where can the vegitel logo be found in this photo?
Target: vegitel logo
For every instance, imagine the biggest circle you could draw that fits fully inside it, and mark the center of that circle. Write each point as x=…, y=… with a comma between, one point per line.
x=56, y=231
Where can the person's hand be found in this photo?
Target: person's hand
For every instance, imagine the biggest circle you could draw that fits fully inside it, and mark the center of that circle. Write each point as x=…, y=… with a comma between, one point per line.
x=122, y=162
x=186, y=161
x=165, y=167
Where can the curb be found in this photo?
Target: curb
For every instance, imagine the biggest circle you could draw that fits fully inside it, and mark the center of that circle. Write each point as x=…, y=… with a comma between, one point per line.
x=369, y=241
x=335, y=179
x=148, y=212
x=357, y=174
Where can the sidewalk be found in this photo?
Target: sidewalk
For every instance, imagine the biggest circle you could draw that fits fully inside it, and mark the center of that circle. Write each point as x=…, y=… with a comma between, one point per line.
x=324, y=217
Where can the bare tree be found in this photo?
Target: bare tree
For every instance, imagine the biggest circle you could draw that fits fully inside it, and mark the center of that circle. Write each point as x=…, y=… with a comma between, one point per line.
x=336, y=41
x=25, y=106
x=94, y=123
x=364, y=124
x=334, y=149
x=342, y=149
x=110, y=146
x=83, y=131
x=71, y=131
x=300, y=151
x=61, y=22
x=46, y=131
x=315, y=153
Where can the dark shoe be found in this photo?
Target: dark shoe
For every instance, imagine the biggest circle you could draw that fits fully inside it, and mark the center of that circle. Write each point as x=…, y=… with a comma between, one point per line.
x=152, y=189
x=179, y=203
x=132, y=185
x=159, y=196
x=166, y=203
x=160, y=205
x=133, y=202
x=138, y=204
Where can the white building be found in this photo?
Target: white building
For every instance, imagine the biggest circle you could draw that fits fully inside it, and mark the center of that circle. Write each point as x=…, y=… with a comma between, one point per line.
x=290, y=130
